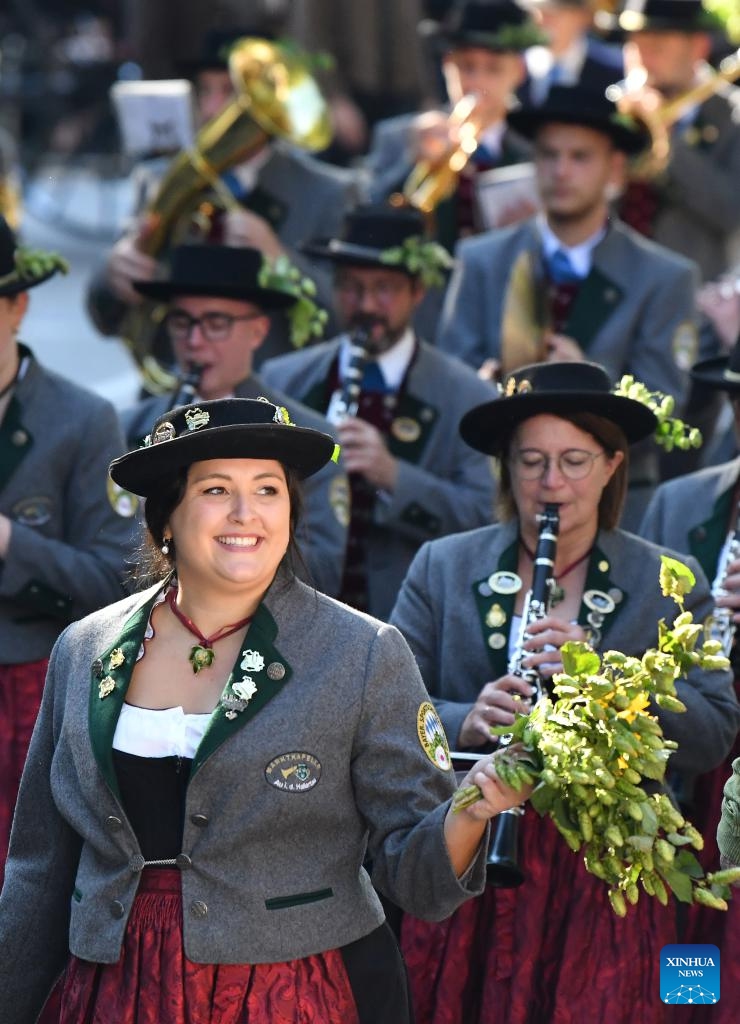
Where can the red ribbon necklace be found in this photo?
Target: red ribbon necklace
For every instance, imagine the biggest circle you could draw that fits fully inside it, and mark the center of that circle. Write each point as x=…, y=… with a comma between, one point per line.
x=202, y=654
x=557, y=593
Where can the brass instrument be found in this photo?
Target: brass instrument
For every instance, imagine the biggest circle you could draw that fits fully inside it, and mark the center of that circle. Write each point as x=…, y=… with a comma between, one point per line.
x=720, y=625
x=434, y=180
x=659, y=122
x=10, y=200
x=502, y=867
x=276, y=96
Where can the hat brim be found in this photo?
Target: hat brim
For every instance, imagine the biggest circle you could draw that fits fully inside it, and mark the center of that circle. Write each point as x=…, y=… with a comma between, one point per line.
x=163, y=291
x=528, y=121
x=144, y=470
x=713, y=373
x=487, y=426
x=24, y=284
x=337, y=251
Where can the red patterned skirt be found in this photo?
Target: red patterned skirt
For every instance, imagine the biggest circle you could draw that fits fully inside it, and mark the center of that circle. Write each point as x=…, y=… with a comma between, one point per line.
x=549, y=952
x=21, y=687
x=153, y=982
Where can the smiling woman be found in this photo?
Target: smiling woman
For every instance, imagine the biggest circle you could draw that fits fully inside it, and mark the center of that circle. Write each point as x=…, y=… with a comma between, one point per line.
x=226, y=747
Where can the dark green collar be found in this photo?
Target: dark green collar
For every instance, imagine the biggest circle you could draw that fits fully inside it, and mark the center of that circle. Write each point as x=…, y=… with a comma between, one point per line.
x=16, y=441
x=597, y=298
x=706, y=539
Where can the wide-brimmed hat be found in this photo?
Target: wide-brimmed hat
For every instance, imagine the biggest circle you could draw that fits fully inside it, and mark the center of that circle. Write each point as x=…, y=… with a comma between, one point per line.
x=20, y=268
x=367, y=233
x=574, y=104
x=228, y=428
x=720, y=372
x=222, y=271
x=501, y=26
x=555, y=388
x=661, y=16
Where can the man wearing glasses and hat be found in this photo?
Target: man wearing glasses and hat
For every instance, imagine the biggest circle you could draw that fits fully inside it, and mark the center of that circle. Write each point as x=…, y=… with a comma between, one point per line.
x=411, y=476
x=218, y=316
x=574, y=283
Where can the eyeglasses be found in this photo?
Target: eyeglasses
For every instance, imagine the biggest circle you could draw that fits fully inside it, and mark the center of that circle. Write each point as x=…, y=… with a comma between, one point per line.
x=381, y=292
x=574, y=464
x=214, y=326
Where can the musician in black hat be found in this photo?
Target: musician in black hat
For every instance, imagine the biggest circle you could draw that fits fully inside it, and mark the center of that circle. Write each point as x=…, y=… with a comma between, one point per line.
x=62, y=541
x=691, y=203
x=411, y=479
x=218, y=316
x=552, y=949
x=575, y=283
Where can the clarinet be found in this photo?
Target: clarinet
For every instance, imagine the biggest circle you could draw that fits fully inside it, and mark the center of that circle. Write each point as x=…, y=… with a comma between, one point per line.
x=346, y=402
x=502, y=867
x=187, y=386
x=720, y=625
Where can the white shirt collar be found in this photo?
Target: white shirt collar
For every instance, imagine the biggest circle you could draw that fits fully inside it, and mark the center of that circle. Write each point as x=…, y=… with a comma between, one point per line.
x=492, y=137
x=393, y=364
x=580, y=256
x=246, y=174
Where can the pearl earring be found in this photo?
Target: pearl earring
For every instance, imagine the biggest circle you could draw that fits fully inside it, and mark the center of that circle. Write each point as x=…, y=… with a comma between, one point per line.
x=166, y=546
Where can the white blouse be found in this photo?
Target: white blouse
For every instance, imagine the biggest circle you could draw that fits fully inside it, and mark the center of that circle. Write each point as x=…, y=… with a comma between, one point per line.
x=163, y=733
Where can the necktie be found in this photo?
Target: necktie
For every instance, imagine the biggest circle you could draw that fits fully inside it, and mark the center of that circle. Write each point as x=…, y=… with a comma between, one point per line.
x=373, y=379
x=561, y=269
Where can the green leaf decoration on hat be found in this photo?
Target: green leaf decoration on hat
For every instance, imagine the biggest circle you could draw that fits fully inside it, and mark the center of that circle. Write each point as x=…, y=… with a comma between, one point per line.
x=427, y=259
x=727, y=14
x=307, y=319
x=31, y=264
x=671, y=432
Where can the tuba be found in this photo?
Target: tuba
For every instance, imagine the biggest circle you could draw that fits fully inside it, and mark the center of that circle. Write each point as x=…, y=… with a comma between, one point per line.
x=275, y=96
x=658, y=123
x=502, y=866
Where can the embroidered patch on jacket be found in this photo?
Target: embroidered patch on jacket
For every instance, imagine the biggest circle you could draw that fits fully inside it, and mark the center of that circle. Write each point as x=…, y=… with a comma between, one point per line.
x=294, y=772
x=432, y=736
x=32, y=511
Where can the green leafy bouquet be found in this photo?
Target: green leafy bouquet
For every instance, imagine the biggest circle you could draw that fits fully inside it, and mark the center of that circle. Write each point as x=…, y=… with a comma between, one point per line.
x=307, y=319
x=589, y=749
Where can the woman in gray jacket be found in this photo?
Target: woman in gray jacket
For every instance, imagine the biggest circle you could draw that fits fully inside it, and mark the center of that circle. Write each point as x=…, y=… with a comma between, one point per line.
x=212, y=760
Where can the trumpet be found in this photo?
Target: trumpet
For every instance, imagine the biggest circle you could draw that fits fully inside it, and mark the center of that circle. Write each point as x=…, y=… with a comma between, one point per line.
x=658, y=122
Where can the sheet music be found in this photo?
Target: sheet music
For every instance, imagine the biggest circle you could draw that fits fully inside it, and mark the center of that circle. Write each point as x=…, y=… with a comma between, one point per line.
x=506, y=195
x=154, y=117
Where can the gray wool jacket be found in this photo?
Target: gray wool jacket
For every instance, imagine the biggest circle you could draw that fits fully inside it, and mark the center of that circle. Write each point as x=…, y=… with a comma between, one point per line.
x=271, y=869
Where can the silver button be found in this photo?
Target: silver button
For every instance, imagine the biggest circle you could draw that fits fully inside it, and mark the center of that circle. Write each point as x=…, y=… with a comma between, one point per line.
x=198, y=908
x=183, y=861
x=275, y=670
x=113, y=824
x=136, y=864
x=199, y=820
x=117, y=909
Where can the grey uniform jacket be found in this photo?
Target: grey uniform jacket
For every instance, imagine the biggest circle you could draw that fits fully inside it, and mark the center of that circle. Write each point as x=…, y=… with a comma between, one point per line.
x=443, y=485
x=271, y=868
x=446, y=606
x=67, y=544
x=301, y=198
x=322, y=533
x=632, y=313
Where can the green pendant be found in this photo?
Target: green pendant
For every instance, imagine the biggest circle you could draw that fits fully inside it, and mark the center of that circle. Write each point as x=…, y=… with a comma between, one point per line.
x=201, y=657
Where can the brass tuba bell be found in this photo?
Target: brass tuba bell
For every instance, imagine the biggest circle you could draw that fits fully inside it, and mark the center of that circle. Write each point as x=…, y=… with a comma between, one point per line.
x=275, y=96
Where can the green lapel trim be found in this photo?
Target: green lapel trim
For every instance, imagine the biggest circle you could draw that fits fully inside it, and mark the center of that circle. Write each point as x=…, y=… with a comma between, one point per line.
x=104, y=711
x=706, y=539
x=413, y=422
x=597, y=299
x=16, y=441
x=259, y=640
x=597, y=578
x=499, y=608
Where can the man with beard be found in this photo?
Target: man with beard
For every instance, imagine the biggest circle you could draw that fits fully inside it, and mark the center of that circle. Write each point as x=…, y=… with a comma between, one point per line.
x=573, y=283
x=396, y=402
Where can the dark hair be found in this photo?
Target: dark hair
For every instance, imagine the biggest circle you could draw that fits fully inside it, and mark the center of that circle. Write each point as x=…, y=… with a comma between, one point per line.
x=152, y=564
x=611, y=438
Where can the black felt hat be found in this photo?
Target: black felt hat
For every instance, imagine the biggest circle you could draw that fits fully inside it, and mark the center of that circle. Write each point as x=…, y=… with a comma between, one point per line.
x=228, y=428
x=223, y=271
x=18, y=274
x=499, y=25
x=215, y=47
x=366, y=233
x=553, y=388
x=720, y=372
x=574, y=104
x=664, y=16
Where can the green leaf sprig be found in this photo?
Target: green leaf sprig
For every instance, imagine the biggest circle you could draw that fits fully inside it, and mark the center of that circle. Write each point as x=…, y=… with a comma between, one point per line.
x=589, y=750
x=429, y=260
x=31, y=264
x=307, y=319
x=671, y=432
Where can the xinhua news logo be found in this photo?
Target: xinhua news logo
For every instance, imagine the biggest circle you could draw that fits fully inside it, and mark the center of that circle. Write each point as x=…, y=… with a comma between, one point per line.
x=689, y=974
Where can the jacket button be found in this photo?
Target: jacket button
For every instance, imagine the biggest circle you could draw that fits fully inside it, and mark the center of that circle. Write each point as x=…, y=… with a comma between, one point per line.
x=117, y=909
x=113, y=824
x=199, y=820
x=183, y=861
x=136, y=864
x=197, y=908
